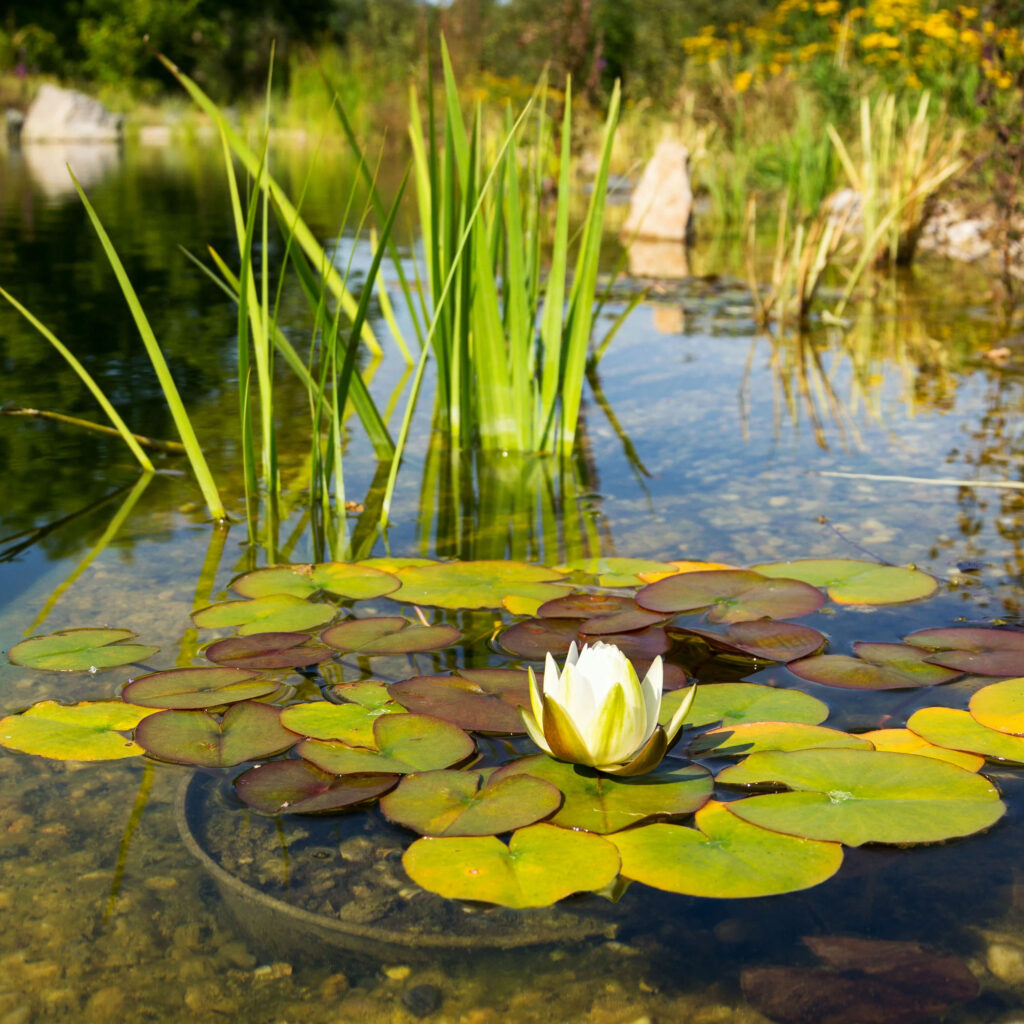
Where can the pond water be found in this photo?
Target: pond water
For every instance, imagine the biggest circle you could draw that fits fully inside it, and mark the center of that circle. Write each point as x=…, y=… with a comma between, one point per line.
x=893, y=439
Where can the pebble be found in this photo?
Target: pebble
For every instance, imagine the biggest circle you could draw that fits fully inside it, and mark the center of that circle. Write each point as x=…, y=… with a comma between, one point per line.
x=161, y=883
x=105, y=1004
x=1006, y=962
x=398, y=973
x=271, y=972
x=422, y=1000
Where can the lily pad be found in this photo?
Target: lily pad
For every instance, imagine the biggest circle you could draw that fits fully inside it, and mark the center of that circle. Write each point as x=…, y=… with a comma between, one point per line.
x=270, y=614
x=477, y=699
x=617, y=572
x=763, y=639
x=1001, y=706
x=724, y=857
x=458, y=803
x=79, y=650
x=733, y=703
x=541, y=865
x=191, y=688
x=960, y=730
x=751, y=737
x=392, y=563
x=676, y=567
x=903, y=741
x=606, y=803
x=343, y=579
x=388, y=635
x=986, y=652
x=246, y=732
x=731, y=595
x=534, y=638
x=268, y=650
x=584, y=605
x=89, y=731
x=877, y=666
x=349, y=723
x=864, y=796
x=297, y=787
x=402, y=744
x=629, y=620
x=480, y=584
x=368, y=693
x=855, y=581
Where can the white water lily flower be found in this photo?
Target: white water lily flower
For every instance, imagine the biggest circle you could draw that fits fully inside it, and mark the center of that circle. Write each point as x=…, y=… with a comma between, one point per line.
x=597, y=712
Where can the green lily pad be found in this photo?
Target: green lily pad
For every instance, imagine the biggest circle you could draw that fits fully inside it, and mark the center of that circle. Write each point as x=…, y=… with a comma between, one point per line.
x=541, y=865
x=583, y=605
x=731, y=595
x=986, y=652
x=191, y=688
x=402, y=744
x=535, y=638
x=617, y=572
x=368, y=693
x=733, y=703
x=393, y=563
x=297, y=787
x=864, y=796
x=246, y=732
x=79, y=650
x=89, y=731
x=960, y=730
x=388, y=635
x=752, y=737
x=477, y=699
x=348, y=723
x=877, y=666
x=724, y=857
x=271, y=614
x=855, y=581
x=606, y=803
x=1001, y=706
x=480, y=584
x=459, y=803
x=903, y=741
x=267, y=651
x=343, y=579
x=763, y=639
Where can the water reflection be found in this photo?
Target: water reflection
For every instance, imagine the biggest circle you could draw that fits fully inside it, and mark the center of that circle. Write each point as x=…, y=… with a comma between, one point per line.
x=47, y=163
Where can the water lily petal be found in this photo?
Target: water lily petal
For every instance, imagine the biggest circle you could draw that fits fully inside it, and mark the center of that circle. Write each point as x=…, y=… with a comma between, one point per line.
x=563, y=740
x=681, y=712
x=533, y=730
x=651, y=688
x=574, y=655
x=648, y=758
x=607, y=742
x=536, y=704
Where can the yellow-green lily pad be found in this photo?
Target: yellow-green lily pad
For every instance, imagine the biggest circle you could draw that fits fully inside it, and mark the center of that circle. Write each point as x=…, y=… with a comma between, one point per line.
x=960, y=730
x=752, y=737
x=541, y=865
x=903, y=741
x=724, y=857
x=89, y=731
x=79, y=650
x=733, y=703
x=1001, y=706
x=368, y=693
x=606, y=803
x=481, y=584
x=388, y=635
x=855, y=581
x=348, y=723
x=275, y=613
x=460, y=803
x=864, y=796
x=343, y=579
x=618, y=572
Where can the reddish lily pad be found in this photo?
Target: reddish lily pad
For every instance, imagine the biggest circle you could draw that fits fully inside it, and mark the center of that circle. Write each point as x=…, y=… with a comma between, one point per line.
x=534, y=638
x=349, y=723
x=584, y=605
x=878, y=666
x=960, y=730
x=1001, y=706
x=343, y=579
x=724, y=857
x=478, y=699
x=606, y=803
x=246, y=732
x=541, y=865
x=271, y=614
x=855, y=581
x=388, y=635
x=89, y=731
x=79, y=650
x=480, y=584
x=985, y=652
x=402, y=744
x=191, y=688
x=268, y=650
x=298, y=787
x=763, y=639
x=627, y=621
x=459, y=803
x=733, y=703
x=751, y=737
x=731, y=595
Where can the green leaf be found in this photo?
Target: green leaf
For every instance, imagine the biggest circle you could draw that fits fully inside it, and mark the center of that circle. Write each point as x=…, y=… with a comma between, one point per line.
x=864, y=796
x=480, y=584
x=733, y=703
x=79, y=650
x=854, y=581
x=343, y=579
x=960, y=730
x=751, y=737
x=389, y=635
x=541, y=865
x=368, y=693
x=270, y=614
x=191, y=688
x=348, y=723
x=89, y=731
x=724, y=857
x=878, y=666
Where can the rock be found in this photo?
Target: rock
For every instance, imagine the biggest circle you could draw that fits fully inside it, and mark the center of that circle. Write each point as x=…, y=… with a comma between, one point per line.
x=662, y=203
x=1006, y=962
x=105, y=1004
x=422, y=1000
x=63, y=115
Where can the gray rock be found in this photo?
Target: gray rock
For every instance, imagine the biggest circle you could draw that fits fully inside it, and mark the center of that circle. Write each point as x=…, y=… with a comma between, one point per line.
x=63, y=115
x=662, y=203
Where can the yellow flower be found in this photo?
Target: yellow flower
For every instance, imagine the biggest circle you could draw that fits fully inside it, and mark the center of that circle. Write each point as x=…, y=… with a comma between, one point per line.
x=741, y=83
x=825, y=7
x=879, y=41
